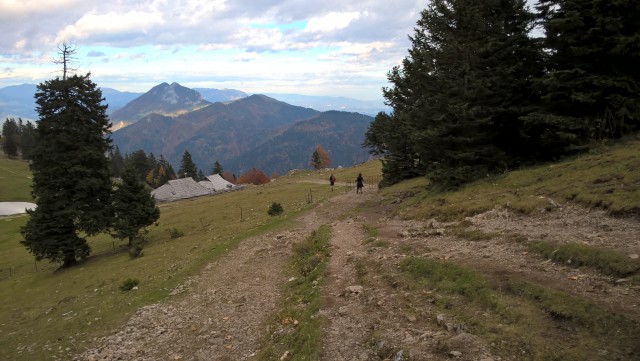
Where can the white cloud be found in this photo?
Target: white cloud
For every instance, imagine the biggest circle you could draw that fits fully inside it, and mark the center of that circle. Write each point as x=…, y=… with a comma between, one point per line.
x=259, y=38
x=247, y=44
x=20, y=8
x=196, y=11
x=332, y=21
x=110, y=23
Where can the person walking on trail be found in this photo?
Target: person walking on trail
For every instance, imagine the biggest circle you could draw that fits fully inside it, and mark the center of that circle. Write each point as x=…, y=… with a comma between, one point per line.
x=332, y=180
x=359, y=183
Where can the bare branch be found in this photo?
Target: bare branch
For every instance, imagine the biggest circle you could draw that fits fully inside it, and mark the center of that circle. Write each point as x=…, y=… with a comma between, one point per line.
x=67, y=56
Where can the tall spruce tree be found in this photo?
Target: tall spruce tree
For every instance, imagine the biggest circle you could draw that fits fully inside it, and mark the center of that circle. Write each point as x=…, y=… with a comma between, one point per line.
x=71, y=175
x=187, y=167
x=217, y=168
x=459, y=94
x=592, y=87
x=27, y=138
x=10, y=137
x=134, y=209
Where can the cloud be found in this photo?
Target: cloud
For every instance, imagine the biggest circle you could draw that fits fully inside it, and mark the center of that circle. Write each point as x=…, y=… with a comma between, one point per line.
x=95, y=54
x=271, y=40
x=109, y=24
x=332, y=21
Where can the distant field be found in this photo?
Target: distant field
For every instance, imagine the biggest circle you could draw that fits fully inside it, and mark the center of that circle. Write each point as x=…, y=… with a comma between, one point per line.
x=15, y=180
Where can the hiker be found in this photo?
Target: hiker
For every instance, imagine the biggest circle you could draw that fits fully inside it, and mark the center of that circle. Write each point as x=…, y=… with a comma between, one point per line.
x=359, y=183
x=332, y=180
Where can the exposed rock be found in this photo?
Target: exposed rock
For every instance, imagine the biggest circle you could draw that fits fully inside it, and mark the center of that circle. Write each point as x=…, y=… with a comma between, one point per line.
x=455, y=354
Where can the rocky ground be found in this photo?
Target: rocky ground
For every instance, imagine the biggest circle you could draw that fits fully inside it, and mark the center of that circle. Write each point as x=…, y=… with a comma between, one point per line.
x=221, y=313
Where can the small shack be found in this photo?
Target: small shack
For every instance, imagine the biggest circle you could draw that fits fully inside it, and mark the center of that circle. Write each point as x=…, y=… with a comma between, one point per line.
x=217, y=184
x=182, y=188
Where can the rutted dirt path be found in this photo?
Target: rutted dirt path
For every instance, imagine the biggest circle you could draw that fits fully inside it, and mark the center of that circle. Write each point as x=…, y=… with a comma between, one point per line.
x=223, y=309
x=369, y=315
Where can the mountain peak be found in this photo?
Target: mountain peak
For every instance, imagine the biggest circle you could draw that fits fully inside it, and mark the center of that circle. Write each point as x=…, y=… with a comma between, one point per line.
x=165, y=99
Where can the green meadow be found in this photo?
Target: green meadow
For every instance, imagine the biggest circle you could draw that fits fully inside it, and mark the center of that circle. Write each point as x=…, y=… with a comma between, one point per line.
x=47, y=311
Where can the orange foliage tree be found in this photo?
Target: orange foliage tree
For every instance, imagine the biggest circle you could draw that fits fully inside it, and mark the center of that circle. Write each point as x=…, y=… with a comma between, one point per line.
x=229, y=177
x=320, y=158
x=253, y=176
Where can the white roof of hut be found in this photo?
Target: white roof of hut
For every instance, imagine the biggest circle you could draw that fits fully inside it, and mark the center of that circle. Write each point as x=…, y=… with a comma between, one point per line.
x=180, y=189
x=216, y=183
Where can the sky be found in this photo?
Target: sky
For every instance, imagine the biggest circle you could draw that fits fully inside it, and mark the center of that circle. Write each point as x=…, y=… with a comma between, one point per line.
x=319, y=47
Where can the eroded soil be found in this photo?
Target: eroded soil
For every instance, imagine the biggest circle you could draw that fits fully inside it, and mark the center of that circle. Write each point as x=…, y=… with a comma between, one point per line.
x=222, y=313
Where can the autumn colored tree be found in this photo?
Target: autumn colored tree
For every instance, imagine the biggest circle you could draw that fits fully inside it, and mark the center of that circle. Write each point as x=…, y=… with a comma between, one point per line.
x=253, y=176
x=229, y=177
x=320, y=158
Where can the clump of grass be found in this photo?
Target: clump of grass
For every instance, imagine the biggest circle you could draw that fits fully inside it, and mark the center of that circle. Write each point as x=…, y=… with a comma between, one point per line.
x=535, y=321
x=129, y=284
x=296, y=327
x=380, y=243
x=607, y=261
x=371, y=231
x=361, y=269
x=175, y=233
x=475, y=235
x=619, y=331
x=450, y=277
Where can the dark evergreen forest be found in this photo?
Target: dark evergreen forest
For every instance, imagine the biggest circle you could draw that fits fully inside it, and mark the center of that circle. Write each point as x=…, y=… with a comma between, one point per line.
x=490, y=86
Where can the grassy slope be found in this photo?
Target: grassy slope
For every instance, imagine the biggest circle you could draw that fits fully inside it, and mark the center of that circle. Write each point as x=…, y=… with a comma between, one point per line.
x=45, y=312
x=608, y=178
x=15, y=180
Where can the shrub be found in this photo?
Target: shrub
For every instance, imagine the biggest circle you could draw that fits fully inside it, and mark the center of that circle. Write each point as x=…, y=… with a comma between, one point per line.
x=129, y=284
x=275, y=209
x=175, y=233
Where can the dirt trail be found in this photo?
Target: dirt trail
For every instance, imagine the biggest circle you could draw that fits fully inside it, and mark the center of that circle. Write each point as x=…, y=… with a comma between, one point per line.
x=223, y=309
x=369, y=315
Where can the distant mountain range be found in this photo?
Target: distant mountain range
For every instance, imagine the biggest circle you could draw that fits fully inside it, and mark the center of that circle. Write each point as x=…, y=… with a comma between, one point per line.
x=228, y=126
x=255, y=131
x=18, y=101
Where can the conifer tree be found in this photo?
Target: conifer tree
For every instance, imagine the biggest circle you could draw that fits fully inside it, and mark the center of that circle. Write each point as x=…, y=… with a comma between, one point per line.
x=592, y=88
x=187, y=167
x=217, y=168
x=71, y=176
x=27, y=138
x=134, y=209
x=10, y=137
x=117, y=162
x=459, y=94
x=140, y=161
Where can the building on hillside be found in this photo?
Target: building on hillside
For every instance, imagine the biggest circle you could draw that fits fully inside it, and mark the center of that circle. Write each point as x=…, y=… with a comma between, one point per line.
x=185, y=188
x=217, y=184
x=182, y=188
